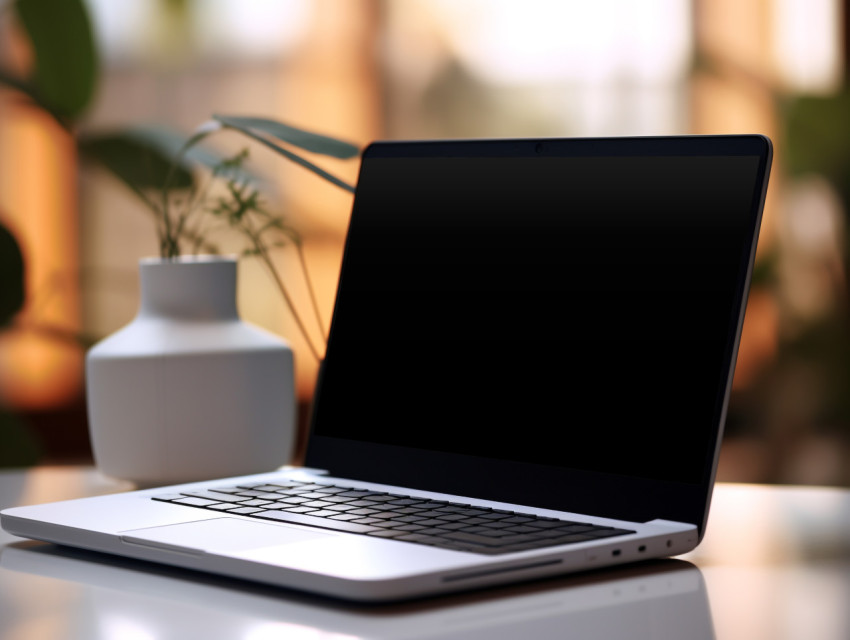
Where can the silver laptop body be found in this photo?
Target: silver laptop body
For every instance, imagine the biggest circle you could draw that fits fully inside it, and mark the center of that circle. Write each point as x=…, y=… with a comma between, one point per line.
x=527, y=374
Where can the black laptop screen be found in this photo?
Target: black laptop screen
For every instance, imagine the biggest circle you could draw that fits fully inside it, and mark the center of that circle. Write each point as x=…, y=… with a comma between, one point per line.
x=557, y=304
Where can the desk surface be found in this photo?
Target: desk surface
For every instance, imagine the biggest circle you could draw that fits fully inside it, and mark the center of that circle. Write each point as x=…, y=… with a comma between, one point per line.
x=774, y=565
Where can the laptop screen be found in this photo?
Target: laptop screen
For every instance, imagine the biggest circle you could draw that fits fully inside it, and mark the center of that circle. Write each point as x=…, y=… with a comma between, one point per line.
x=565, y=304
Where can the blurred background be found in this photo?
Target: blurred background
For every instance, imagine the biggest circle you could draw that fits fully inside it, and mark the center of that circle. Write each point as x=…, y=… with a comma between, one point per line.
x=394, y=69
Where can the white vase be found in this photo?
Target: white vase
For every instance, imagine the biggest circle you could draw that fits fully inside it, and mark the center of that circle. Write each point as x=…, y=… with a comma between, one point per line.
x=188, y=391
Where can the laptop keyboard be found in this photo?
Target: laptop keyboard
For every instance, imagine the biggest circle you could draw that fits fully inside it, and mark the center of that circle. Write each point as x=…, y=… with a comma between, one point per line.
x=448, y=525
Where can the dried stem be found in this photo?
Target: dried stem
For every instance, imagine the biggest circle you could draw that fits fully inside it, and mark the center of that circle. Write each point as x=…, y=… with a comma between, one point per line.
x=262, y=251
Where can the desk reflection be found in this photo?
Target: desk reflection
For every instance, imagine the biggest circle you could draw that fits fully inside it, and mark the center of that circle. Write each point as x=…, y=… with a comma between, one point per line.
x=107, y=597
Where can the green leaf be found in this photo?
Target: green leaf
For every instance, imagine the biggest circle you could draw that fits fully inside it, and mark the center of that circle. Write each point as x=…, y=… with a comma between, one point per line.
x=66, y=63
x=140, y=158
x=143, y=156
x=818, y=136
x=170, y=144
x=32, y=93
x=292, y=156
x=306, y=140
x=11, y=277
x=18, y=447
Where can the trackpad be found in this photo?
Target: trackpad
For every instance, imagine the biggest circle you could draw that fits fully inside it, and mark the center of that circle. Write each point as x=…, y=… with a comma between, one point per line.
x=218, y=534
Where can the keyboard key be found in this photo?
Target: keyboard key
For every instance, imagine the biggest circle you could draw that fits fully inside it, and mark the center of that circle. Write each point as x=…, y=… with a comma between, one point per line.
x=449, y=526
x=362, y=493
x=386, y=533
x=486, y=531
x=495, y=515
x=577, y=528
x=339, y=499
x=274, y=487
x=522, y=528
x=477, y=521
x=420, y=538
x=409, y=527
x=313, y=495
x=218, y=497
x=430, y=531
x=322, y=513
x=549, y=524
x=500, y=524
x=227, y=490
x=168, y=497
x=256, y=503
x=465, y=511
x=471, y=548
x=406, y=519
x=339, y=508
x=194, y=502
x=330, y=490
x=245, y=511
x=473, y=538
x=432, y=522
x=542, y=534
x=324, y=523
x=313, y=487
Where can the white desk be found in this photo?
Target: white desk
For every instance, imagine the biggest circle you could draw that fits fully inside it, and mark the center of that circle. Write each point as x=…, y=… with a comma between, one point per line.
x=774, y=565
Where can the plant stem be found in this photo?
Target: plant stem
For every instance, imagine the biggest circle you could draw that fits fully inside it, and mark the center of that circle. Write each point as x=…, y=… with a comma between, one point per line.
x=286, y=153
x=169, y=241
x=314, y=303
x=264, y=255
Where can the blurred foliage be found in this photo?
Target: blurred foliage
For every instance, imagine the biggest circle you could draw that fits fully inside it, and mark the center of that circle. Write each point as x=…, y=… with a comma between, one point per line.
x=151, y=161
x=805, y=392
x=61, y=83
x=817, y=141
x=12, y=272
x=19, y=447
x=817, y=138
x=135, y=158
x=64, y=75
x=269, y=133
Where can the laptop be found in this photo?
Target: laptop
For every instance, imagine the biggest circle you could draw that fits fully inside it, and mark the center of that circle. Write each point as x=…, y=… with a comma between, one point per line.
x=527, y=374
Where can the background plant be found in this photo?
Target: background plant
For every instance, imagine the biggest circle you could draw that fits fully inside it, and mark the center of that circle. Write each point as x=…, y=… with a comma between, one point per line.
x=183, y=217
x=150, y=161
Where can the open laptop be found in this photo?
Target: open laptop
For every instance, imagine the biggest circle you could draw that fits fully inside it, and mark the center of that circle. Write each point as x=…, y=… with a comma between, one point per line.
x=527, y=374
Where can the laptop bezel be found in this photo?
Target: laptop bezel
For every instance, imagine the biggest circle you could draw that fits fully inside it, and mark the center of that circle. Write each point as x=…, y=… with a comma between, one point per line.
x=608, y=495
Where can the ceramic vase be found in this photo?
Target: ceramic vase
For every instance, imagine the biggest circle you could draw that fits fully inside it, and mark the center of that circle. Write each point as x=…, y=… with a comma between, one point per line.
x=188, y=391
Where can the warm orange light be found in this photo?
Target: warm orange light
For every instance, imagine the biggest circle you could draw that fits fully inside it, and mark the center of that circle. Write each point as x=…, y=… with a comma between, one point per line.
x=329, y=86
x=38, y=200
x=759, y=338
